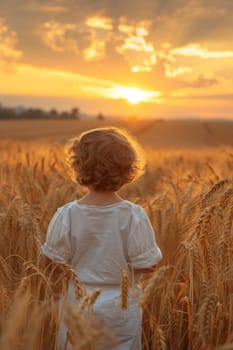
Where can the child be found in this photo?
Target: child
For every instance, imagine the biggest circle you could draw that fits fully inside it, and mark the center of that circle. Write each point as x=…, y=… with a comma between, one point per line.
x=101, y=234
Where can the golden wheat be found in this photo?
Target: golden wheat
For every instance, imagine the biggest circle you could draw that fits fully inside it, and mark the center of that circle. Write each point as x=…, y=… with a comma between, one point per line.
x=124, y=289
x=187, y=302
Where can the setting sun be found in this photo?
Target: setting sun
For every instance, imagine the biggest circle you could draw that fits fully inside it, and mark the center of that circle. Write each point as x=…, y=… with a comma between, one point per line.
x=134, y=95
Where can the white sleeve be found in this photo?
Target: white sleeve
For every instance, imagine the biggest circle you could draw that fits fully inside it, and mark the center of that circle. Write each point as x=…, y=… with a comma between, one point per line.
x=143, y=250
x=57, y=246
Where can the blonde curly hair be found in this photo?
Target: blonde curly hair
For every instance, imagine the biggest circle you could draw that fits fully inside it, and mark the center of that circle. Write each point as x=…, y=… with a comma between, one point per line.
x=105, y=159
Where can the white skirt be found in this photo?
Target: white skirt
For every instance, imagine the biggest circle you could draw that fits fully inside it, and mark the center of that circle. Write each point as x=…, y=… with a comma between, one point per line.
x=122, y=327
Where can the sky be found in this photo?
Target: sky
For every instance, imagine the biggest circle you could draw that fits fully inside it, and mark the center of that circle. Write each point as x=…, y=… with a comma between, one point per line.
x=151, y=58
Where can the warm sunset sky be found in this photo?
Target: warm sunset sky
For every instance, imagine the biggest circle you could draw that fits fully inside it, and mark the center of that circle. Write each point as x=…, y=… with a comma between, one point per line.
x=158, y=58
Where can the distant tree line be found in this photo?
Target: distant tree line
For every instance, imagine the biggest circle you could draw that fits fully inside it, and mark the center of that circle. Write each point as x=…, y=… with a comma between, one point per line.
x=38, y=113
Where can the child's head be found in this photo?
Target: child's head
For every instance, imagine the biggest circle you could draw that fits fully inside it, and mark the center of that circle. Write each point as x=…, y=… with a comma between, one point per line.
x=105, y=159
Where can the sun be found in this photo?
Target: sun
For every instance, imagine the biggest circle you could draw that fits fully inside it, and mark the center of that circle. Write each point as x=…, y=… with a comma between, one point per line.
x=133, y=95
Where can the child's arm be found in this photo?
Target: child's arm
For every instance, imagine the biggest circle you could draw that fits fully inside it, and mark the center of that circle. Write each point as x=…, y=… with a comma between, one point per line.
x=57, y=250
x=58, y=246
x=143, y=250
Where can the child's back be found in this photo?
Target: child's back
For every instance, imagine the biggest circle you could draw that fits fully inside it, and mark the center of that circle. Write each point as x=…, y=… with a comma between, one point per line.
x=100, y=241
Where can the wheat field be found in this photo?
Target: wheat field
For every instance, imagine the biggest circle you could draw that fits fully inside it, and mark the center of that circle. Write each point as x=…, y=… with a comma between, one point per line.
x=187, y=301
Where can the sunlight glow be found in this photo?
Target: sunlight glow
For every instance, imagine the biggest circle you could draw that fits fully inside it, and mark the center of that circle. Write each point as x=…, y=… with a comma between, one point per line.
x=134, y=95
x=66, y=84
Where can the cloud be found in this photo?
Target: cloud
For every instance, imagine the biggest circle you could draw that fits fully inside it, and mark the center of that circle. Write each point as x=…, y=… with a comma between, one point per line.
x=223, y=97
x=139, y=53
x=101, y=28
x=65, y=36
x=80, y=39
x=195, y=50
x=183, y=22
x=199, y=86
x=202, y=82
x=172, y=72
x=9, y=53
x=100, y=22
x=90, y=38
x=46, y=7
x=96, y=51
x=204, y=21
x=194, y=67
x=134, y=45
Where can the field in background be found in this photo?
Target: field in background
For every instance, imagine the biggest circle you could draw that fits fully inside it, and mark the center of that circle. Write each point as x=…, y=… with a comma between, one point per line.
x=188, y=194
x=151, y=133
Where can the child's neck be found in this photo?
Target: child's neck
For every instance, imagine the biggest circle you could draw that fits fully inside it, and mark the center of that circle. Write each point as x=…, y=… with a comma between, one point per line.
x=100, y=198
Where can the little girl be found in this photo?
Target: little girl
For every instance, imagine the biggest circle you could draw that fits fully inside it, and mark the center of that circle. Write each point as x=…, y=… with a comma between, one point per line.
x=101, y=234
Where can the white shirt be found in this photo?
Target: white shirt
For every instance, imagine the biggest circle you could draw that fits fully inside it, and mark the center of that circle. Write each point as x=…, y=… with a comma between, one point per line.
x=100, y=241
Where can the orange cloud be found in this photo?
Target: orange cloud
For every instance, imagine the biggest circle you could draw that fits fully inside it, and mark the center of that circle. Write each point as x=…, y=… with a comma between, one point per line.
x=97, y=48
x=134, y=46
x=89, y=39
x=8, y=41
x=99, y=22
x=95, y=51
x=59, y=36
x=49, y=8
x=63, y=37
x=141, y=68
x=172, y=72
x=136, y=43
x=196, y=50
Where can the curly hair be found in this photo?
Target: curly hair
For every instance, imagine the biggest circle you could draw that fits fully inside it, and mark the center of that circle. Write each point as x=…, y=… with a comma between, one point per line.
x=105, y=159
